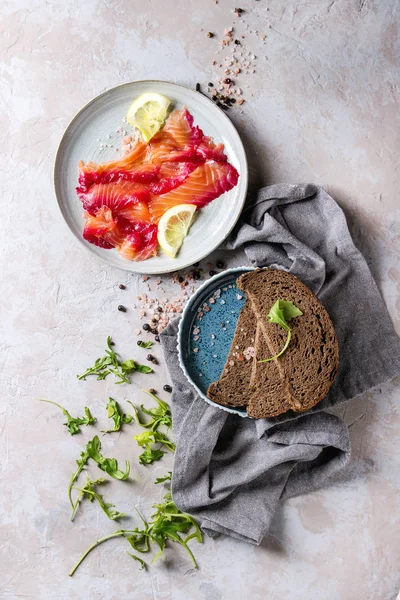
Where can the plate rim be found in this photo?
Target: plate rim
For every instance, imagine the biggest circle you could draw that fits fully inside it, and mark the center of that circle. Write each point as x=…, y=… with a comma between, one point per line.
x=203, y=286
x=66, y=134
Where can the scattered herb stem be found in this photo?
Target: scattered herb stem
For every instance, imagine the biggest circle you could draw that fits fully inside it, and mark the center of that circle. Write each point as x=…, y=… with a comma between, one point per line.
x=166, y=524
x=111, y=363
x=97, y=543
x=73, y=423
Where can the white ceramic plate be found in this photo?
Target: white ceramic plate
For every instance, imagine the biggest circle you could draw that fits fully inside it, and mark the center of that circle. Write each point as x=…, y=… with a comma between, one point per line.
x=98, y=122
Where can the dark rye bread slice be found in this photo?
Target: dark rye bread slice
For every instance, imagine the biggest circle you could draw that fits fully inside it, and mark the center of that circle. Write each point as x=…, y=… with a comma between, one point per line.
x=233, y=387
x=308, y=367
x=266, y=383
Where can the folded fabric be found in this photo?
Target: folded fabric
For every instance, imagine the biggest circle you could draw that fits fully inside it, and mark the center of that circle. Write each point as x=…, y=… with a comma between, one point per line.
x=231, y=472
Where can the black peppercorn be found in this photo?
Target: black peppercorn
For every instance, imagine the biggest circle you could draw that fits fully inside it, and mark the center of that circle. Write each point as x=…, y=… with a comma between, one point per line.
x=210, y=84
x=219, y=264
x=197, y=87
x=237, y=42
x=152, y=391
x=157, y=338
x=196, y=264
x=159, y=309
x=154, y=331
x=150, y=358
x=146, y=327
x=210, y=34
x=196, y=275
x=222, y=324
x=227, y=80
x=139, y=342
x=212, y=273
x=121, y=308
x=122, y=286
x=181, y=279
x=167, y=388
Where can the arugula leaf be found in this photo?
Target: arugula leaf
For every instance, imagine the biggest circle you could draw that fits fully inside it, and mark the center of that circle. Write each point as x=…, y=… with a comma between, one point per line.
x=166, y=524
x=89, y=490
x=281, y=312
x=150, y=455
x=114, y=413
x=167, y=477
x=109, y=465
x=73, y=423
x=146, y=440
x=161, y=415
x=111, y=363
x=143, y=368
x=145, y=344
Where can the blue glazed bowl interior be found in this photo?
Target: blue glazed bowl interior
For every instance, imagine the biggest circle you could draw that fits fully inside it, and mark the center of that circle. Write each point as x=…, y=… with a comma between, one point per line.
x=206, y=331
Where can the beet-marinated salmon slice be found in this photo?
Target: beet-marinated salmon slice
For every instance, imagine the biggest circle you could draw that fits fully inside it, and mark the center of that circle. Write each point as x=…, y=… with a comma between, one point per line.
x=135, y=241
x=204, y=184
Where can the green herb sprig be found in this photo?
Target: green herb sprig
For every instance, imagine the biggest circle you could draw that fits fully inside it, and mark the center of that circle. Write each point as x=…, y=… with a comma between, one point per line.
x=145, y=344
x=146, y=440
x=73, y=424
x=111, y=363
x=281, y=312
x=161, y=415
x=166, y=524
x=89, y=491
x=164, y=479
x=109, y=465
x=114, y=412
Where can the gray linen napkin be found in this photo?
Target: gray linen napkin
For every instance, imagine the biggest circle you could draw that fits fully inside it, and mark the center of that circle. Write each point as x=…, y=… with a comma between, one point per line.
x=231, y=472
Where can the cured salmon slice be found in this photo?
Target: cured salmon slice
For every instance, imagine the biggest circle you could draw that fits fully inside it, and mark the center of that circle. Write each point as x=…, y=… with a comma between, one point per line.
x=206, y=183
x=135, y=241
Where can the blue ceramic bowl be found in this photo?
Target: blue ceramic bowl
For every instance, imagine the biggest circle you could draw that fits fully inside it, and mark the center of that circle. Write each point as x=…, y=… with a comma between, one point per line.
x=206, y=331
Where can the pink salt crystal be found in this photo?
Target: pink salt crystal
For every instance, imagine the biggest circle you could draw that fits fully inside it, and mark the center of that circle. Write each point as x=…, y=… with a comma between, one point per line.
x=212, y=300
x=195, y=349
x=240, y=101
x=138, y=331
x=239, y=297
x=249, y=352
x=179, y=309
x=145, y=277
x=142, y=313
x=207, y=309
x=158, y=281
x=196, y=331
x=231, y=363
x=126, y=139
x=213, y=336
x=196, y=338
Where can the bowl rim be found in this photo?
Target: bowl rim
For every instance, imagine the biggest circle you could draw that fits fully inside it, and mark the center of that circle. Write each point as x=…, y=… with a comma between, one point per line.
x=241, y=413
x=58, y=157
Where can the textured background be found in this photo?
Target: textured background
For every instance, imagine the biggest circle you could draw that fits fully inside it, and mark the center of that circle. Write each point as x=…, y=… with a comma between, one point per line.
x=323, y=106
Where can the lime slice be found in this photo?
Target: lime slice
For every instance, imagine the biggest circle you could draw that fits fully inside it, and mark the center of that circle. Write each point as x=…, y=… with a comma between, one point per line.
x=174, y=226
x=148, y=113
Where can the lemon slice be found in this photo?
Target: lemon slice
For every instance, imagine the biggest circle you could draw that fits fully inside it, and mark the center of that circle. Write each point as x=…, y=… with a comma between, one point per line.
x=148, y=113
x=174, y=226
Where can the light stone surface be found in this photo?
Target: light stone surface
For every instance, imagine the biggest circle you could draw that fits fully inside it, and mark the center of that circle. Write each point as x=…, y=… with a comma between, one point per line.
x=322, y=106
